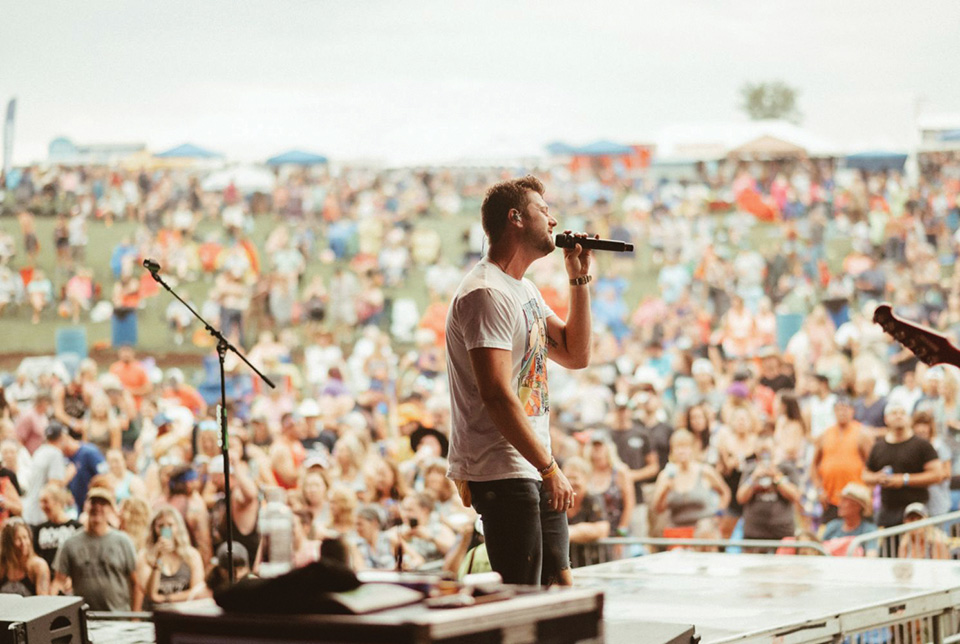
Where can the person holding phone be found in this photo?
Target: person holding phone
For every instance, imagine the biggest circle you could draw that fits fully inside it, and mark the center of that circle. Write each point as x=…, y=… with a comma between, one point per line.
x=421, y=539
x=169, y=569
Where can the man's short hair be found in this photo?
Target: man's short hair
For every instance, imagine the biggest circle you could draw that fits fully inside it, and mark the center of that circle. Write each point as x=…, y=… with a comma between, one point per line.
x=503, y=197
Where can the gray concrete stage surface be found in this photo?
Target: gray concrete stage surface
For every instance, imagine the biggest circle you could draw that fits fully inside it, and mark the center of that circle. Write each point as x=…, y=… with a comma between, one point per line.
x=763, y=598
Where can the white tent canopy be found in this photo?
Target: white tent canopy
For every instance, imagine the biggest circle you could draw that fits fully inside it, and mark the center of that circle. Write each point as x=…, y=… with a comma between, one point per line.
x=247, y=179
x=702, y=141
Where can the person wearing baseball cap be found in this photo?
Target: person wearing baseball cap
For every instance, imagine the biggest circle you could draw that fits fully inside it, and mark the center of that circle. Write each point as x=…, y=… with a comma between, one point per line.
x=929, y=542
x=100, y=561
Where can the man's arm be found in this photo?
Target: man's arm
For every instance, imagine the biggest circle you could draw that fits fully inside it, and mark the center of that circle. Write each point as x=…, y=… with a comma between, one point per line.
x=492, y=368
x=60, y=582
x=588, y=532
x=932, y=473
x=570, y=341
x=281, y=459
x=649, y=470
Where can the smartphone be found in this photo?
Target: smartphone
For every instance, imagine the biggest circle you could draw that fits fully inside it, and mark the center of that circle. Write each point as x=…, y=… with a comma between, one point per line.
x=166, y=532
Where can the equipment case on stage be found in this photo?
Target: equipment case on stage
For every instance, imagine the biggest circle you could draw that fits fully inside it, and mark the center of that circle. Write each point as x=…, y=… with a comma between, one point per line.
x=554, y=616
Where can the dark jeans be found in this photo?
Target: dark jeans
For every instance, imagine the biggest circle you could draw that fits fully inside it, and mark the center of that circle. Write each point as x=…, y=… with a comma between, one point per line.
x=527, y=542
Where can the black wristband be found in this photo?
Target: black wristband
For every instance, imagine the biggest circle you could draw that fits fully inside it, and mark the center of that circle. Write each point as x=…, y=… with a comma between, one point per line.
x=580, y=281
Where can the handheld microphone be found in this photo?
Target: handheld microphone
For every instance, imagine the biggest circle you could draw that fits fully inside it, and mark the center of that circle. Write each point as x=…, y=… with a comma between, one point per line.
x=569, y=241
x=151, y=265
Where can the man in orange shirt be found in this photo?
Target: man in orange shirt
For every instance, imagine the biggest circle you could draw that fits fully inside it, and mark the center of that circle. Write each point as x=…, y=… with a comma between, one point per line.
x=176, y=388
x=132, y=375
x=839, y=456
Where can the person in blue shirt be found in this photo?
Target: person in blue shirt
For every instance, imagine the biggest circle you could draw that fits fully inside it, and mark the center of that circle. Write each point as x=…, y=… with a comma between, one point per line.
x=856, y=503
x=86, y=460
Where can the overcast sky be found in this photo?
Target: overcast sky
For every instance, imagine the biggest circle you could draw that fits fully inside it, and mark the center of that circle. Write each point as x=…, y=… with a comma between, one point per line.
x=409, y=80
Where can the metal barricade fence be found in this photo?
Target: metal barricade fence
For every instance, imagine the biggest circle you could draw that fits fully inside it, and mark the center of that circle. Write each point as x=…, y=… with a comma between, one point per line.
x=614, y=548
x=934, y=538
x=939, y=626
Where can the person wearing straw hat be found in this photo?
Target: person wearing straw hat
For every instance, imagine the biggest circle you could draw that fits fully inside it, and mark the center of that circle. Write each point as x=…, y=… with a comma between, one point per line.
x=856, y=504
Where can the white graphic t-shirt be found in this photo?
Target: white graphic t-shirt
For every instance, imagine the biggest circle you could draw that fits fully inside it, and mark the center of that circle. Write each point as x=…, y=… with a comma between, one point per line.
x=492, y=309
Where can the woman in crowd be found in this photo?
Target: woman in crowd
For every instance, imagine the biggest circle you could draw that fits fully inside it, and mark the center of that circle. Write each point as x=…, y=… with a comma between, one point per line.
x=126, y=483
x=688, y=490
x=70, y=399
x=39, y=293
x=587, y=516
x=135, y=520
x=100, y=425
x=314, y=490
x=610, y=480
x=123, y=408
x=698, y=423
x=385, y=487
x=169, y=569
x=372, y=543
x=22, y=571
x=735, y=444
x=349, y=456
x=343, y=509
x=185, y=498
x=790, y=432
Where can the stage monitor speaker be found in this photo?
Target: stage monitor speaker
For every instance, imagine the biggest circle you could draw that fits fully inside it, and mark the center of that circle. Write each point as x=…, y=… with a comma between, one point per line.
x=41, y=620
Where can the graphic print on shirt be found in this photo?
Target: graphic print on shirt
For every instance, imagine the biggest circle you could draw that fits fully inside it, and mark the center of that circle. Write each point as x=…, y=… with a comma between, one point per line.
x=532, y=386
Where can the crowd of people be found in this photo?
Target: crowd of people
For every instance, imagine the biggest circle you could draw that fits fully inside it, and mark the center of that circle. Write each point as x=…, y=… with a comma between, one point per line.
x=748, y=394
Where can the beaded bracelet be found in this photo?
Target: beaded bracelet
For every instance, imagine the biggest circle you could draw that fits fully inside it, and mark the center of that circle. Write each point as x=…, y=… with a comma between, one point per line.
x=552, y=471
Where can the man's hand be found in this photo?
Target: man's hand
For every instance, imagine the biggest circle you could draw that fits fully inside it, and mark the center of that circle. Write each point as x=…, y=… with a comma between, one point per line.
x=559, y=491
x=577, y=262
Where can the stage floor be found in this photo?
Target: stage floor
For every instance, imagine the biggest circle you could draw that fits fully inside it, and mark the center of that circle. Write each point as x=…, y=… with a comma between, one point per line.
x=729, y=597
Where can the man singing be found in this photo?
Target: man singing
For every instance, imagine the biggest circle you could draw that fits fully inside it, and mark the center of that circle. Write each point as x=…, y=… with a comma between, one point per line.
x=499, y=334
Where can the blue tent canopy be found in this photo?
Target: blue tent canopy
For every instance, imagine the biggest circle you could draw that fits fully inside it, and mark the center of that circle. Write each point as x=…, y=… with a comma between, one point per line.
x=603, y=148
x=876, y=160
x=297, y=157
x=560, y=148
x=188, y=151
x=595, y=149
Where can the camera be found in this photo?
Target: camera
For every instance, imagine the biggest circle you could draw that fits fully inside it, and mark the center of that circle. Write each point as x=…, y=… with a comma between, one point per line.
x=414, y=522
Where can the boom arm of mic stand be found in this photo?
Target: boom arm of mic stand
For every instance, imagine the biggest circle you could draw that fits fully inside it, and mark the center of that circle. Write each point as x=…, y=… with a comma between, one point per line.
x=214, y=332
x=222, y=346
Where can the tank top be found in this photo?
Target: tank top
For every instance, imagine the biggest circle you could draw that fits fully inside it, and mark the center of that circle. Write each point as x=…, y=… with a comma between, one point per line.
x=299, y=454
x=613, y=502
x=101, y=439
x=841, y=462
x=73, y=403
x=218, y=528
x=23, y=587
x=170, y=584
x=122, y=491
x=686, y=508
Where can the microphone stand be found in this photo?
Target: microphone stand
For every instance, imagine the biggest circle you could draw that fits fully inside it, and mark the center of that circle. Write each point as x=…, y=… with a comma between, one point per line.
x=223, y=345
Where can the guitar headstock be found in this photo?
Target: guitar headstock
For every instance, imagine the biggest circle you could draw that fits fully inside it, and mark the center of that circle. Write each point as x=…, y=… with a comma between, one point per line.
x=930, y=347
